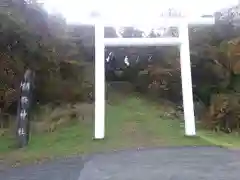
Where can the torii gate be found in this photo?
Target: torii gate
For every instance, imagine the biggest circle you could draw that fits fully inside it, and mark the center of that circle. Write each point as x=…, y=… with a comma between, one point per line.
x=182, y=42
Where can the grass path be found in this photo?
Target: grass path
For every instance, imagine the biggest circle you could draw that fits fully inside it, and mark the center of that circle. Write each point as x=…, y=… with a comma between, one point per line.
x=130, y=123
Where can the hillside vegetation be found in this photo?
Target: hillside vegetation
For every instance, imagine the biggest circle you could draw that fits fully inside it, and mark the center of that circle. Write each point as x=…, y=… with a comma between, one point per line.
x=31, y=38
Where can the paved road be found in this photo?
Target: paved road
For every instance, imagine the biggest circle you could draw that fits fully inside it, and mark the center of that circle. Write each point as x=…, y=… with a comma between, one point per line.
x=186, y=163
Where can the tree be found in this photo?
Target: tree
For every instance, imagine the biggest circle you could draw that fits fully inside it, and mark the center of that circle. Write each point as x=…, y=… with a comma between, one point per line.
x=30, y=38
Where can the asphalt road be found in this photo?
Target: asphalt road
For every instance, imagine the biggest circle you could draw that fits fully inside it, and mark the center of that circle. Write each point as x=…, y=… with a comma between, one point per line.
x=185, y=163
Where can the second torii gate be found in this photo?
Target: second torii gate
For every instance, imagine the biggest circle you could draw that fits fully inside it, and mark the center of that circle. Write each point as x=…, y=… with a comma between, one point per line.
x=182, y=41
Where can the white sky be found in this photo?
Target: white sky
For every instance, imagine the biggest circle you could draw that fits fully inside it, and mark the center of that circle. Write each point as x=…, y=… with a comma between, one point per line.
x=77, y=11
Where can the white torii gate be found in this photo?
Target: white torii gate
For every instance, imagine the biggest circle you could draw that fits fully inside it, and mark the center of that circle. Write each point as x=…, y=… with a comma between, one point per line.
x=182, y=41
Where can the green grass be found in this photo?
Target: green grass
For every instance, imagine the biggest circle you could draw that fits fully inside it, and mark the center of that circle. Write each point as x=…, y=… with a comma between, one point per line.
x=230, y=141
x=130, y=123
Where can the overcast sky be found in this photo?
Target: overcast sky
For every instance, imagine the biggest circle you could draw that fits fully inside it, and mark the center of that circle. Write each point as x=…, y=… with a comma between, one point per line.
x=77, y=10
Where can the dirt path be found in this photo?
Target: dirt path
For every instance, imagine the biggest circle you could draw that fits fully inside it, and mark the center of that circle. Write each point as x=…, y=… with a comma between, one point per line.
x=182, y=163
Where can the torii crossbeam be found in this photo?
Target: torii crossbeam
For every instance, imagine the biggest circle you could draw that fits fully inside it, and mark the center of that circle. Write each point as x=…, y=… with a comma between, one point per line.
x=182, y=42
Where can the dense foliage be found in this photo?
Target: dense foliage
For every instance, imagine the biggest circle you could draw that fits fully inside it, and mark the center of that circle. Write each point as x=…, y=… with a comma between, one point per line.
x=31, y=38
x=62, y=57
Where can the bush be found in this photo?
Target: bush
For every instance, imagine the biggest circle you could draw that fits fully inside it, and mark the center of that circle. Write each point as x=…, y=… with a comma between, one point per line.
x=224, y=112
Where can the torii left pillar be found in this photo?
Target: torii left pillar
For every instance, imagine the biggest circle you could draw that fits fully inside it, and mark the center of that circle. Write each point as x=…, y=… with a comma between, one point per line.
x=99, y=129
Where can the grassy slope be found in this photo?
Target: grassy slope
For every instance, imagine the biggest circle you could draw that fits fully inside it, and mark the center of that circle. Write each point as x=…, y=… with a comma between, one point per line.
x=130, y=122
